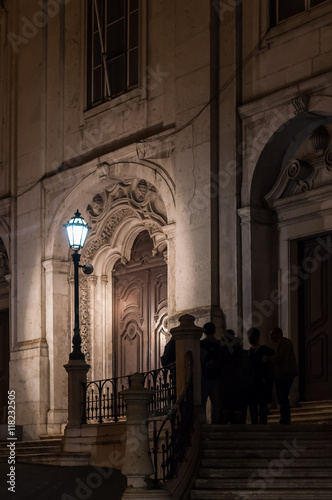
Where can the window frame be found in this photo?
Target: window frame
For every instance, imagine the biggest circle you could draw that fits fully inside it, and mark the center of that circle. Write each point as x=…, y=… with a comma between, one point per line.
x=273, y=11
x=135, y=90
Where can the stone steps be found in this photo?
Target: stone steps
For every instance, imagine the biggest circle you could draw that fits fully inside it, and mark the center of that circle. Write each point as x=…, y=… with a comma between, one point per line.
x=270, y=462
x=45, y=451
x=307, y=411
x=272, y=494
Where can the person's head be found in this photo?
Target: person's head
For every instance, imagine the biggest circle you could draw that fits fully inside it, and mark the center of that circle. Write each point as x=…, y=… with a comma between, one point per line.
x=209, y=329
x=228, y=336
x=253, y=336
x=276, y=335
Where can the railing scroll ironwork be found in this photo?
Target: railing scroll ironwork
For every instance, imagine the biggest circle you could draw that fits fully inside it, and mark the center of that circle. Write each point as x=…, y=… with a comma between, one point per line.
x=103, y=403
x=172, y=434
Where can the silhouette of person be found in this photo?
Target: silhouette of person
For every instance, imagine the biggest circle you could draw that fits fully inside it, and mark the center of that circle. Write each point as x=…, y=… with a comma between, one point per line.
x=211, y=370
x=284, y=371
x=260, y=378
x=233, y=387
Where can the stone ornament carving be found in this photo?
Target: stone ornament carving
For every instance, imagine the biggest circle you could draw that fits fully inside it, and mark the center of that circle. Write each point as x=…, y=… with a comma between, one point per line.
x=108, y=230
x=320, y=139
x=328, y=159
x=85, y=316
x=301, y=104
x=97, y=206
x=306, y=173
x=134, y=198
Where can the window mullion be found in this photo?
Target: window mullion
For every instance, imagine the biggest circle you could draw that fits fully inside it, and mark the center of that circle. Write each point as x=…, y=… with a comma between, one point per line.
x=103, y=55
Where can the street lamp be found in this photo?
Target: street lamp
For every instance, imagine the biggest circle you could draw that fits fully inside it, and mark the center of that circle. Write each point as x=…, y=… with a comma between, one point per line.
x=77, y=231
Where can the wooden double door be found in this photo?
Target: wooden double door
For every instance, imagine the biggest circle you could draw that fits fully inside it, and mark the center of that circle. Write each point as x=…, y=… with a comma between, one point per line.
x=139, y=310
x=315, y=317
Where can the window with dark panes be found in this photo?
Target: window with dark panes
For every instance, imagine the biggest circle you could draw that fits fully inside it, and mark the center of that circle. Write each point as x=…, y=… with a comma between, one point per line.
x=285, y=9
x=112, y=48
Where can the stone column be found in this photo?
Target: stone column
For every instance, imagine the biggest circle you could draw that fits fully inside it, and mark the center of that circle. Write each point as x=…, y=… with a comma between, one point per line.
x=77, y=370
x=187, y=338
x=137, y=465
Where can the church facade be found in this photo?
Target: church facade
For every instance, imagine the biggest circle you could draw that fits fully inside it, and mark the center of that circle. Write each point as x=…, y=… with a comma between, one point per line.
x=194, y=138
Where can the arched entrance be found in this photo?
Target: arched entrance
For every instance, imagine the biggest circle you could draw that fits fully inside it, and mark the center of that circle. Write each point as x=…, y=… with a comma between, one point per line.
x=286, y=247
x=139, y=308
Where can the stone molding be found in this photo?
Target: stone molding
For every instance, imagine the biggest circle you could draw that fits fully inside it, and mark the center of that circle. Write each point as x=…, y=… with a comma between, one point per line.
x=285, y=96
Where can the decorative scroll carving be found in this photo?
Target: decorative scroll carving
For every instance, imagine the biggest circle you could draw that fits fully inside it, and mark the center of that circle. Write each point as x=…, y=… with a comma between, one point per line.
x=296, y=176
x=130, y=198
x=108, y=230
x=97, y=206
x=328, y=159
x=137, y=193
x=320, y=138
x=299, y=170
x=301, y=104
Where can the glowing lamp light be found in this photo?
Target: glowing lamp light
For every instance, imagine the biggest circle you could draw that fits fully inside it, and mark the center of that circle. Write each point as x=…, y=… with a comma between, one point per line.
x=77, y=231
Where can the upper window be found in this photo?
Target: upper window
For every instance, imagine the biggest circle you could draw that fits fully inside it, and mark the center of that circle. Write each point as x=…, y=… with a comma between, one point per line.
x=284, y=9
x=112, y=48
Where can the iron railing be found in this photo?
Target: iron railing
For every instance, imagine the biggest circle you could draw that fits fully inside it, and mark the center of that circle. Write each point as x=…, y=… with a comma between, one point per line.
x=103, y=403
x=172, y=434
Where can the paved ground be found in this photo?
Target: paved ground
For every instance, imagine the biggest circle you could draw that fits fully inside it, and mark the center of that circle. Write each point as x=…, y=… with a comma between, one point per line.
x=48, y=482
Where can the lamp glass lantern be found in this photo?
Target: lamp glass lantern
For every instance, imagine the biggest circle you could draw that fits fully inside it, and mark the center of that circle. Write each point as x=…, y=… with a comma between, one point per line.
x=77, y=231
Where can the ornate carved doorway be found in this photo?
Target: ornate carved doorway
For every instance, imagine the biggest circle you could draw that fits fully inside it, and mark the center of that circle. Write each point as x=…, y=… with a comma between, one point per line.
x=139, y=309
x=315, y=318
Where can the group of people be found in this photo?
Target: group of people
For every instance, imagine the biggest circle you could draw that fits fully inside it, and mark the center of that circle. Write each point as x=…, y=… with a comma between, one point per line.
x=236, y=379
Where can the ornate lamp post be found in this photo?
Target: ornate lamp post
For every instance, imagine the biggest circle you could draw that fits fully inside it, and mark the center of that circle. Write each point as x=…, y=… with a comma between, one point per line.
x=77, y=231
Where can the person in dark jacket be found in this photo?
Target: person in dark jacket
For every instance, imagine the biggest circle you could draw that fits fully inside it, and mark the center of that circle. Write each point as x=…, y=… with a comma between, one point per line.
x=260, y=378
x=284, y=370
x=211, y=370
x=233, y=380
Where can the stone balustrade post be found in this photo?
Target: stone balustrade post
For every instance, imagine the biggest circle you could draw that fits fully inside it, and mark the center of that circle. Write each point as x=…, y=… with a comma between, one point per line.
x=187, y=338
x=77, y=371
x=137, y=465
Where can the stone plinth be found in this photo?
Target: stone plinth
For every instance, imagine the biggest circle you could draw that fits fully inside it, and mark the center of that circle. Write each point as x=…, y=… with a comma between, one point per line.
x=137, y=464
x=77, y=370
x=187, y=338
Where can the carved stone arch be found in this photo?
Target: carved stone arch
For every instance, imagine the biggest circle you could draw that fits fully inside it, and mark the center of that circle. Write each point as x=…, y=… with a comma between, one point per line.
x=290, y=203
x=279, y=151
x=86, y=186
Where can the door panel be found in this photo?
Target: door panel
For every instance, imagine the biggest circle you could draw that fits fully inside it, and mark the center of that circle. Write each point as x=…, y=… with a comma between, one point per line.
x=139, y=309
x=315, y=318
